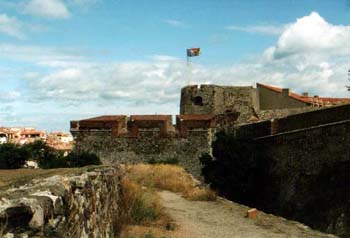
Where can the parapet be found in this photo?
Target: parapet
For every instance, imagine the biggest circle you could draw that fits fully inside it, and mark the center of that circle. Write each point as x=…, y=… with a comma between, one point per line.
x=116, y=123
x=184, y=123
x=145, y=125
x=155, y=122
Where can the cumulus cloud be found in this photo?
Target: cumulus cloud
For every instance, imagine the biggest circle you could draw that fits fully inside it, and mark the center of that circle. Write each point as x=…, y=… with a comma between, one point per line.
x=312, y=34
x=11, y=26
x=54, y=9
x=263, y=29
x=68, y=78
x=296, y=61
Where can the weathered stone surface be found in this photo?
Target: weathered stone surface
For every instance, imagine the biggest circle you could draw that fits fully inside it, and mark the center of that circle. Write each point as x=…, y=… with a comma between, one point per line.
x=116, y=150
x=59, y=206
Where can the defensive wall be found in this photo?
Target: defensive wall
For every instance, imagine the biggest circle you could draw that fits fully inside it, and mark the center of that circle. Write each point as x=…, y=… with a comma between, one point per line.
x=307, y=167
x=147, y=138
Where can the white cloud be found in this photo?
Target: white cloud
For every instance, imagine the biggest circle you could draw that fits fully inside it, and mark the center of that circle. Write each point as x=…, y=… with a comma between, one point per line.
x=84, y=3
x=40, y=55
x=71, y=79
x=312, y=34
x=11, y=26
x=9, y=96
x=175, y=23
x=55, y=9
x=263, y=29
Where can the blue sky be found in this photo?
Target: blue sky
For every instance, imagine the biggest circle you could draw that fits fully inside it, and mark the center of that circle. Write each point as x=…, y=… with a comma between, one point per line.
x=71, y=59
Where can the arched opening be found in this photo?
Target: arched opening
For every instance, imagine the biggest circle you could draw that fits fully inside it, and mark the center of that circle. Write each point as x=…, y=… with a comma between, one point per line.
x=198, y=100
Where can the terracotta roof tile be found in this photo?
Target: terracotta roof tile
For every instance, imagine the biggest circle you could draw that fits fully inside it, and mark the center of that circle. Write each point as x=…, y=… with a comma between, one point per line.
x=195, y=117
x=307, y=99
x=150, y=117
x=107, y=118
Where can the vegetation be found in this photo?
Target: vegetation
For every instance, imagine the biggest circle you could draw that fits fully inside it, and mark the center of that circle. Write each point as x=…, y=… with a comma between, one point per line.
x=14, y=156
x=141, y=204
x=234, y=168
x=164, y=161
x=169, y=177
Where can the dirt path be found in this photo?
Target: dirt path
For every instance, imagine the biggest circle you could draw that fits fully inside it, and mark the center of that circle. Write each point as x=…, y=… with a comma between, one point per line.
x=225, y=219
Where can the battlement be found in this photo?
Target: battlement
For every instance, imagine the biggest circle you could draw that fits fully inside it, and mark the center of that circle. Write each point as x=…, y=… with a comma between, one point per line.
x=294, y=122
x=145, y=125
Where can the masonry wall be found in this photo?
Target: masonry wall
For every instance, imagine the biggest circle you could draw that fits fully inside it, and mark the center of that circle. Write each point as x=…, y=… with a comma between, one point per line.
x=213, y=99
x=307, y=176
x=79, y=206
x=147, y=147
x=269, y=100
x=279, y=113
x=314, y=118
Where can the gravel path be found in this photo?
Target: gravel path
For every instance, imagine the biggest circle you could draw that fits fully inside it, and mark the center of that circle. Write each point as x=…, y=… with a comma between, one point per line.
x=225, y=219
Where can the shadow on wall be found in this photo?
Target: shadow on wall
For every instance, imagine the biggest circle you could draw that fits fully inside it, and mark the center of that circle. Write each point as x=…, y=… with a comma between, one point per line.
x=243, y=171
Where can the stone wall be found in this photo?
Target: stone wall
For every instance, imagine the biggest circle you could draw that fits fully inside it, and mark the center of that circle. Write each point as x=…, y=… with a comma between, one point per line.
x=214, y=99
x=147, y=147
x=310, y=117
x=81, y=206
x=279, y=113
x=313, y=118
x=307, y=176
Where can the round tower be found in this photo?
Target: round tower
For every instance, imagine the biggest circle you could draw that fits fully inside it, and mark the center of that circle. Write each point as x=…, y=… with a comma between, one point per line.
x=201, y=99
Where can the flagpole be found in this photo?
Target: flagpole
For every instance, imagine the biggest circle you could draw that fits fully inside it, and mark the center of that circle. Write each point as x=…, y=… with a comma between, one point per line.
x=189, y=71
x=190, y=53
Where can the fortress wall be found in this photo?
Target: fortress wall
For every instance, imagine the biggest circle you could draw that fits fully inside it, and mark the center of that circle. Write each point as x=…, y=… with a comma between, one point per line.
x=148, y=146
x=279, y=113
x=313, y=118
x=253, y=130
x=296, y=119
x=307, y=176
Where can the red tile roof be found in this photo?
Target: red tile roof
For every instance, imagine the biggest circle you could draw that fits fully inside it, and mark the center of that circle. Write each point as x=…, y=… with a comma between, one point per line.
x=106, y=118
x=195, y=117
x=307, y=99
x=150, y=117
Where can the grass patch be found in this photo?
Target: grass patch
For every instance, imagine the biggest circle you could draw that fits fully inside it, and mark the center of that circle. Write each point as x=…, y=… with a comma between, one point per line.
x=169, y=177
x=18, y=177
x=141, y=209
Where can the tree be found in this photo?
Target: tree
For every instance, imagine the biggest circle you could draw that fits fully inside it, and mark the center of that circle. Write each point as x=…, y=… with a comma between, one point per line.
x=12, y=156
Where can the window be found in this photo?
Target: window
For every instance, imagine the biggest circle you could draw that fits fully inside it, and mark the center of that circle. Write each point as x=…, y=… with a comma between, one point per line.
x=198, y=101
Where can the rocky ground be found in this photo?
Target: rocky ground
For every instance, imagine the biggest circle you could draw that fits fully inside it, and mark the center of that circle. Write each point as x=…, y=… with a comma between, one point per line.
x=225, y=219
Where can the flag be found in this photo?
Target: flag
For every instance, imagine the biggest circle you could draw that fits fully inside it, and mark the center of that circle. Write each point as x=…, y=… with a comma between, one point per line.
x=193, y=52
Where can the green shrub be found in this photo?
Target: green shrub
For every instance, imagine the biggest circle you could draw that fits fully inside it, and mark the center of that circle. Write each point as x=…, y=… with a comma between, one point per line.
x=46, y=156
x=12, y=156
x=80, y=159
x=233, y=170
x=49, y=158
x=164, y=161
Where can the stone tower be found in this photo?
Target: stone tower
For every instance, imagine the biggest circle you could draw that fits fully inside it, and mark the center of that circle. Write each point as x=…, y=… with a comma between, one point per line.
x=214, y=99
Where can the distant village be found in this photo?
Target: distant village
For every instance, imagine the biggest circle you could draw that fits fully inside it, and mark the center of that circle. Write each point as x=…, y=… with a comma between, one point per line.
x=60, y=141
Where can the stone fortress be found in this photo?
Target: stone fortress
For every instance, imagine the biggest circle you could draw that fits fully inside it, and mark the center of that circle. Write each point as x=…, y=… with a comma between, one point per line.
x=257, y=112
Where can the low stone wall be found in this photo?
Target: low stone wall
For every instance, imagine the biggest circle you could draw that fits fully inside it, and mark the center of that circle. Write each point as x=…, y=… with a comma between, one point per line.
x=147, y=147
x=60, y=206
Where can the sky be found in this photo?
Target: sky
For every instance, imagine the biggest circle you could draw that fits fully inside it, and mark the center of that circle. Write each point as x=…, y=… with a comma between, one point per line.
x=63, y=60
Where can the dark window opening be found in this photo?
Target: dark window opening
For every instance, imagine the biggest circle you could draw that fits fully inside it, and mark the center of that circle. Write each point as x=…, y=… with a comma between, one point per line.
x=198, y=101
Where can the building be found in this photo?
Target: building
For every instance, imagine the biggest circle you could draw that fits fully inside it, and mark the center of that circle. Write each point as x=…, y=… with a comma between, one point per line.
x=204, y=110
